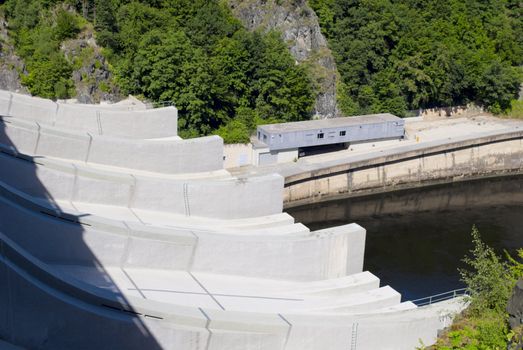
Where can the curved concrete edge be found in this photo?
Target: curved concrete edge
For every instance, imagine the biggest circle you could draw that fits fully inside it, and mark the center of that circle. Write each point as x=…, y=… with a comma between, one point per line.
x=147, y=124
x=239, y=198
x=363, y=302
x=349, y=284
x=60, y=321
x=306, y=255
x=403, y=329
x=313, y=258
x=41, y=110
x=89, y=308
x=110, y=219
x=336, y=288
x=138, y=221
x=111, y=120
x=187, y=156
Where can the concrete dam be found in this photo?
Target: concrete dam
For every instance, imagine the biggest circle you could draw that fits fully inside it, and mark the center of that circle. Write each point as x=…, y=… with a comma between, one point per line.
x=116, y=233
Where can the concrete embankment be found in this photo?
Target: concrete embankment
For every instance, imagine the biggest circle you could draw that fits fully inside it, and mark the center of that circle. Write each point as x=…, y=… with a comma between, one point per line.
x=491, y=153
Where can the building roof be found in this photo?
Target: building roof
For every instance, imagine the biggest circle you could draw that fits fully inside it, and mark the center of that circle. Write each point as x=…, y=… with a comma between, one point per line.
x=328, y=123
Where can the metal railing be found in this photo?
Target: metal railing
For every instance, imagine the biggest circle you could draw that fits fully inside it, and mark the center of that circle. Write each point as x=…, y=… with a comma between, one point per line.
x=441, y=297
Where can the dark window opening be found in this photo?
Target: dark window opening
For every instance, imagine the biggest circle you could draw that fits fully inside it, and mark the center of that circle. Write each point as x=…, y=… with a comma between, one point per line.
x=320, y=135
x=342, y=133
x=309, y=151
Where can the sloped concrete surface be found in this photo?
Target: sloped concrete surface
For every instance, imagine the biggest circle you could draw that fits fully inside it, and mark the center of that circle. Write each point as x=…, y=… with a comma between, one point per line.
x=117, y=234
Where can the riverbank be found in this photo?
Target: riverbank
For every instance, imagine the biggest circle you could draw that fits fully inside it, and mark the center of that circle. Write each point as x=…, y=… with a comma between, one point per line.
x=435, y=152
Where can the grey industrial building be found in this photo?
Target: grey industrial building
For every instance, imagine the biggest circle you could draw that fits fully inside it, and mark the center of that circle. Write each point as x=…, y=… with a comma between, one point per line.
x=287, y=141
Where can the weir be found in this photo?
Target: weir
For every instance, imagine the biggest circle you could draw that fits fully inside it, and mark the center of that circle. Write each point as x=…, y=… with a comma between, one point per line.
x=100, y=237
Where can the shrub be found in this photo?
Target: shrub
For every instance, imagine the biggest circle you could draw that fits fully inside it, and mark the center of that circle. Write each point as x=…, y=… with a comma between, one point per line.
x=67, y=25
x=489, y=281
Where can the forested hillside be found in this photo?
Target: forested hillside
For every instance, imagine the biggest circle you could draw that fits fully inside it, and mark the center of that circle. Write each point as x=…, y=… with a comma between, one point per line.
x=191, y=52
x=392, y=55
x=395, y=55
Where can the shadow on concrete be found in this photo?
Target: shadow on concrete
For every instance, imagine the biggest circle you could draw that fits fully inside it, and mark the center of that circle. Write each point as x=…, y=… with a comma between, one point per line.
x=37, y=309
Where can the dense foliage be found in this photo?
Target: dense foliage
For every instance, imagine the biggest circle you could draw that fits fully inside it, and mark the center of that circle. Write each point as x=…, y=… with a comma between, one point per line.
x=38, y=32
x=392, y=55
x=395, y=55
x=190, y=52
x=490, y=281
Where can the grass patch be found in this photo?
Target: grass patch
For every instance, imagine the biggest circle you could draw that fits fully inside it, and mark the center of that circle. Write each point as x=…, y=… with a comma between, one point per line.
x=516, y=110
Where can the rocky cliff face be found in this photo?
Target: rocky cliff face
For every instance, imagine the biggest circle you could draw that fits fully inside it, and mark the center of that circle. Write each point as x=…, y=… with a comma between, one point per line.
x=301, y=31
x=92, y=78
x=91, y=75
x=10, y=64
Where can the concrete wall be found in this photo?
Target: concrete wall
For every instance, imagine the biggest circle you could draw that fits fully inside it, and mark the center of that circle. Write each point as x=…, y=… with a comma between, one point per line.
x=413, y=166
x=447, y=112
x=237, y=154
x=93, y=119
x=287, y=156
x=306, y=256
x=71, y=314
x=472, y=194
x=257, y=196
x=324, y=254
x=163, y=156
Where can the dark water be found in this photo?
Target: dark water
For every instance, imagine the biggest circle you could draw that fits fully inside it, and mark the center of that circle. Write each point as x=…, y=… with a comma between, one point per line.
x=417, y=238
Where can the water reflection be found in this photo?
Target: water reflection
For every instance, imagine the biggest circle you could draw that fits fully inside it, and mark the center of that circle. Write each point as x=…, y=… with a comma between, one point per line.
x=417, y=238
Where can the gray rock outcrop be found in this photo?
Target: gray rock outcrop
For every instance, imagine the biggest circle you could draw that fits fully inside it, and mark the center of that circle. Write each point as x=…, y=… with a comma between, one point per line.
x=92, y=78
x=10, y=63
x=515, y=306
x=301, y=31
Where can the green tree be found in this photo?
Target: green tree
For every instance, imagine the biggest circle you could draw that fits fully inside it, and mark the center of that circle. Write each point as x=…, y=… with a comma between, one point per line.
x=407, y=54
x=489, y=279
x=66, y=26
x=193, y=53
x=50, y=77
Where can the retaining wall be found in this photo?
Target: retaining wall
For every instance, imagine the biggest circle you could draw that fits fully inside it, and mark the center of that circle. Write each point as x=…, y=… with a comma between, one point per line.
x=409, y=166
x=93, y=119
x=163, y=156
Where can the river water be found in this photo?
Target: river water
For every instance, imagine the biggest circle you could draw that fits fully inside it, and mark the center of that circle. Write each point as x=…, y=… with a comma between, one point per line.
x=417, y=238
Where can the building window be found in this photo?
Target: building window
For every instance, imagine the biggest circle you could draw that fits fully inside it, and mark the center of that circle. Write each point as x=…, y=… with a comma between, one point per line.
x=264, y=137
x=342, y=133
x=320, y=135
x=259, y=135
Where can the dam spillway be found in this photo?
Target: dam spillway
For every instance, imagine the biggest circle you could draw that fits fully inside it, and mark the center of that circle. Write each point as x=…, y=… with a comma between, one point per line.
x=116, y=233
